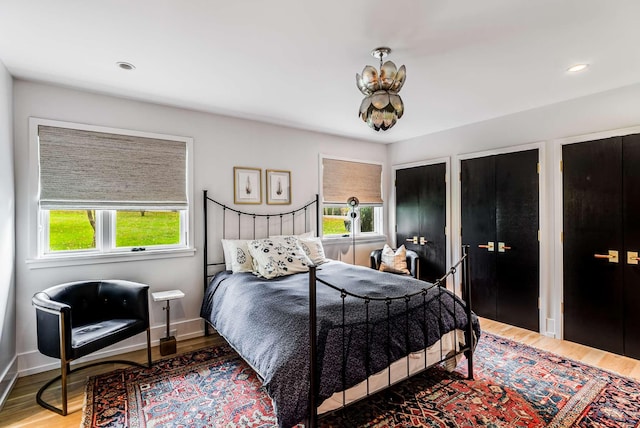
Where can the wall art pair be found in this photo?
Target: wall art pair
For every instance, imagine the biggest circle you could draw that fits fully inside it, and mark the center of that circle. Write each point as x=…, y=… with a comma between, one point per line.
x=247, y=184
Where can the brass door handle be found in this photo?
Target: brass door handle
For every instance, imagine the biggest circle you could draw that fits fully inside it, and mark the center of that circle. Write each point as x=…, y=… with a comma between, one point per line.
x=612, y=256
x=489, y=246
x=413, y=240
x=632, y=257
x=502, y=248
x=423, y=241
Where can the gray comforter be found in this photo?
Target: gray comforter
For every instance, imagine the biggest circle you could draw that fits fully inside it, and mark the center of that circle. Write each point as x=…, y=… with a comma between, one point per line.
x=266, y=321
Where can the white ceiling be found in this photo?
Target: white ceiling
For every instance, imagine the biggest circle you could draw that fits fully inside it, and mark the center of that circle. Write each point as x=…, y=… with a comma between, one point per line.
x=293, y=62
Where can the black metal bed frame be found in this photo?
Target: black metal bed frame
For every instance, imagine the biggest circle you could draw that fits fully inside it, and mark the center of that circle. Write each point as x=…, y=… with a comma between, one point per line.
x=440, y=284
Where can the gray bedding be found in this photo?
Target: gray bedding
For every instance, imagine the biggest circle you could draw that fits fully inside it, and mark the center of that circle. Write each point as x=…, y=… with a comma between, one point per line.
x=266, y=321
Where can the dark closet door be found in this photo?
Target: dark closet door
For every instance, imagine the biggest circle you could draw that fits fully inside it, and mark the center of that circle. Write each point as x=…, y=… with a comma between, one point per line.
x=500, y=211
x=421, y=212
x=592, y=226
x=631, y=227
x=478, y=212
x=517, y=246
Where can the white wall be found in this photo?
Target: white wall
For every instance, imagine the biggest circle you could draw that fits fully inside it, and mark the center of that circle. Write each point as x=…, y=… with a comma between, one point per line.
x=8, y=364
x=220, y=143
x=544, y=128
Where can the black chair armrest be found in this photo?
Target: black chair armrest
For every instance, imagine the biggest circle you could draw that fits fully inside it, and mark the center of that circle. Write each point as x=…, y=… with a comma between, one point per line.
x=413, y=261
x=48, y=313
x=374, y=259
x=42, y=301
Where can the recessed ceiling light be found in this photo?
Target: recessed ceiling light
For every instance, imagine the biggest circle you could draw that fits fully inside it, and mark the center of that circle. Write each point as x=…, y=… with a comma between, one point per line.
x=577, y=68
x=125, y=65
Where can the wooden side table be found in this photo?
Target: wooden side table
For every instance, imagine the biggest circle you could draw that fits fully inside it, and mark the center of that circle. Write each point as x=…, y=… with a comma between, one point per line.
x=168, y=343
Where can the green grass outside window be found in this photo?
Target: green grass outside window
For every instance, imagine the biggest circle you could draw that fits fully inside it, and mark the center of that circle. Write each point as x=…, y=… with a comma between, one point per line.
x=71, y=230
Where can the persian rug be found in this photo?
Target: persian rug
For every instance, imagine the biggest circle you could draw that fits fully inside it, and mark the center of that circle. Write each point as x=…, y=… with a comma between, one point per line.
x=514, y=386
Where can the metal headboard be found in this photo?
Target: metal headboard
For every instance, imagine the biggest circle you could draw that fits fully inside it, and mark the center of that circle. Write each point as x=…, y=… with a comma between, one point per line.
x=261, y=224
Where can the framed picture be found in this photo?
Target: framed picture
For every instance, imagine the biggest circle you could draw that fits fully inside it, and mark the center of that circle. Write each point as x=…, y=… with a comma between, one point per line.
x=278, y=187
x=247, y=185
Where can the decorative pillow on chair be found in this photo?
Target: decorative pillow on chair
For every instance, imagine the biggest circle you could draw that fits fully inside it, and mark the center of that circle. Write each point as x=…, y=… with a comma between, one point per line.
x=312, y=247
x=395, y=262
x=273, y=257
x=236, y=255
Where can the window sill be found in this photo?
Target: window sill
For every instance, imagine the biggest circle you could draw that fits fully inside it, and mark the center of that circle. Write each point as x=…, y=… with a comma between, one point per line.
x=361, y=239
x=93, y=259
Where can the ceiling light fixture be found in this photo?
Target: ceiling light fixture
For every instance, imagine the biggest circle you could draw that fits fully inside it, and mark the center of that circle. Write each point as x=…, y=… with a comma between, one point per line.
x=125, y=65
x=577, y=68
x=381, y=106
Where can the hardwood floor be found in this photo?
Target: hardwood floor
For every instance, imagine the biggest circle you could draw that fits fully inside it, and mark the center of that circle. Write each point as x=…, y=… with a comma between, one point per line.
x=21, y=409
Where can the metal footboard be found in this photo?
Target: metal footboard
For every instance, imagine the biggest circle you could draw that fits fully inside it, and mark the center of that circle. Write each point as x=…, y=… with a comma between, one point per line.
x=466, y=348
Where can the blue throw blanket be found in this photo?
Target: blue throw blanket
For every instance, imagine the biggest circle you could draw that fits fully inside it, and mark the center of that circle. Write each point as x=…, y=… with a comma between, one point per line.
x=267, y=322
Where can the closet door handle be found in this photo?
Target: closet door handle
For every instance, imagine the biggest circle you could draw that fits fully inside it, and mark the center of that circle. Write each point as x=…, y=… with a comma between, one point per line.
x=612, y=256
x=423, y=241
x=413, y=240
x=502, y=248
x=489, y=246
x=632, y=257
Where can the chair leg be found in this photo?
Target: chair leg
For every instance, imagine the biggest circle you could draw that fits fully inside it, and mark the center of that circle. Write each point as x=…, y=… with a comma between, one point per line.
x=64, y=368
x=46, y=405
x=149, y=346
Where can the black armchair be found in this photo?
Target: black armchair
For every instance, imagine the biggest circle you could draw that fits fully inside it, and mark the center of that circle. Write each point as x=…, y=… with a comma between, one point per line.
x=78, y=318
x=413, y=261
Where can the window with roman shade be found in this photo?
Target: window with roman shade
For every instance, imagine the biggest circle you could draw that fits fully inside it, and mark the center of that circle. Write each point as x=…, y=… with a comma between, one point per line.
x=105, y=190
x=342, y=179
x=95, y=170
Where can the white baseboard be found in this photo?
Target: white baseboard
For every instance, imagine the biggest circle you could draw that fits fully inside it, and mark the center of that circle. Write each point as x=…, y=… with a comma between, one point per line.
x=33, y=362
x=7, y=380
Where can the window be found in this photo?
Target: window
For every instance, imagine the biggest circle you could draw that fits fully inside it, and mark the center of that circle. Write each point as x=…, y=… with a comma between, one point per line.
x=342, y=179
x=105, y=191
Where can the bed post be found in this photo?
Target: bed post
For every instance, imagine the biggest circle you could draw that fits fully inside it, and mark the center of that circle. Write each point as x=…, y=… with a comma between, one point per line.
x=204, y=252
x=313, y=377
x=466, y=281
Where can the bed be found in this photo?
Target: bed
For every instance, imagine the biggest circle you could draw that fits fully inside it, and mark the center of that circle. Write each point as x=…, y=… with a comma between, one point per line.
x=372, y=329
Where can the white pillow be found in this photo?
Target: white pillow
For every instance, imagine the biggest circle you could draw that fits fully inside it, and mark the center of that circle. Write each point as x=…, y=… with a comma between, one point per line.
x=237, y=257
x=273, y=257
x=312, y=247
x=227, y=254
x=395, y=262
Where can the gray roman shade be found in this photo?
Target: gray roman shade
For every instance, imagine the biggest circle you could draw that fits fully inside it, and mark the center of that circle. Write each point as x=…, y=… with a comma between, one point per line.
x=343, y=179
x=96, y=170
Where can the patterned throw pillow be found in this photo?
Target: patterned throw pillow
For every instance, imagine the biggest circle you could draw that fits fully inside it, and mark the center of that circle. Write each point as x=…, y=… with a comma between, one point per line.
x=395, y=262
x=273, y=257
x=312, y=247
x=236, y=255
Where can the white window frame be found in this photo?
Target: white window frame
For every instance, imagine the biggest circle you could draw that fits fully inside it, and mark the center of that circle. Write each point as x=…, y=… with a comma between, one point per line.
x=105, y=250
x=378, y=216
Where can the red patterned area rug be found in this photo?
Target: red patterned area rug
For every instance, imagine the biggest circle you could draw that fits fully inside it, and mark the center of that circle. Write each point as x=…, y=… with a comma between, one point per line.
x=514, y=386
